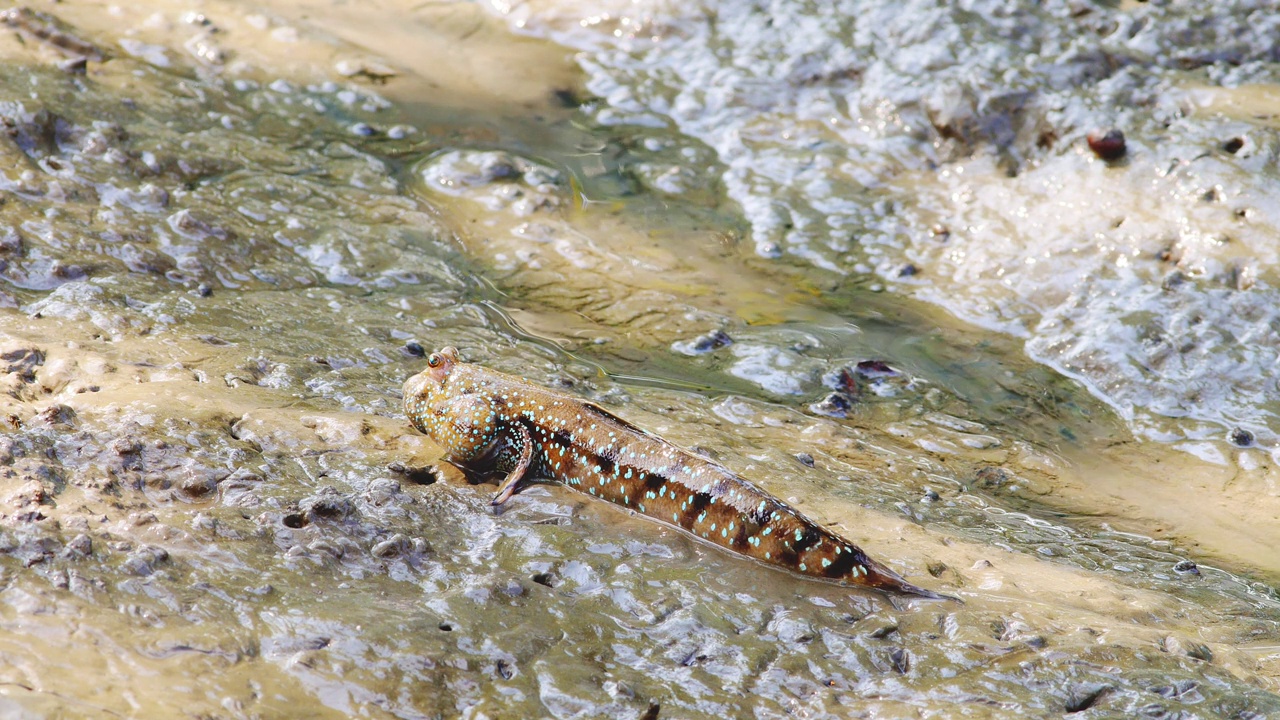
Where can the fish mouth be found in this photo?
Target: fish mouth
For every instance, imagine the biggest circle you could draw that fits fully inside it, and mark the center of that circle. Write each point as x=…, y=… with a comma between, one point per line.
x=419, y=384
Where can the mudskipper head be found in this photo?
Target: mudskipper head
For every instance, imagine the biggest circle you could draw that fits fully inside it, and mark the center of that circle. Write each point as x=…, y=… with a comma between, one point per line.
x=420, y=389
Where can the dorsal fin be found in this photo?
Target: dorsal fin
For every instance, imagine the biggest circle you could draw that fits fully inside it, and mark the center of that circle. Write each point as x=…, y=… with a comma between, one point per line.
x=594, y=408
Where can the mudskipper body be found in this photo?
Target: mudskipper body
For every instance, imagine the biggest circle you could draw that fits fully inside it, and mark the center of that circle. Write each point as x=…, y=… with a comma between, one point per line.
x=491, y=421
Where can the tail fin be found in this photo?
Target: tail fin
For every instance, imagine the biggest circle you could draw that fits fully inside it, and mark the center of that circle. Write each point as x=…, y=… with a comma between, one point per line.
x=882, y=578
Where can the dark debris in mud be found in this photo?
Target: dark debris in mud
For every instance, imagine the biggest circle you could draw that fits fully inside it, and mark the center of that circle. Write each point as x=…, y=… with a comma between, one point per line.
x=424, y=475
x=703, y=344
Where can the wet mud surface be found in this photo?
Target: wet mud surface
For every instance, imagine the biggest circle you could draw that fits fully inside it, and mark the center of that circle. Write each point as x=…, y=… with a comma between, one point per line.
x=227, y=237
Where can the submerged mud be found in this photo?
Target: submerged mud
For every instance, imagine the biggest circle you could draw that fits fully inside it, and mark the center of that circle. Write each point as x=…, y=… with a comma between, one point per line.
x=216, y=279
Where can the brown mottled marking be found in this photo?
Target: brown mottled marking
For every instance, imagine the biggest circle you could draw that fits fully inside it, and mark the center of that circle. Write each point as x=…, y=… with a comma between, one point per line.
x=486, y=420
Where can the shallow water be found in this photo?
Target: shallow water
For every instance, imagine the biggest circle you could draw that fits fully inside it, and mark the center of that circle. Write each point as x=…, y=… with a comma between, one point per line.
x=940, y=148
x=220, y=267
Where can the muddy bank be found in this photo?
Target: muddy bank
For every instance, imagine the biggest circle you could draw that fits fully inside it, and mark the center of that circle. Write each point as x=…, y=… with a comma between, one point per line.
x=176, y=514
x=219, y=268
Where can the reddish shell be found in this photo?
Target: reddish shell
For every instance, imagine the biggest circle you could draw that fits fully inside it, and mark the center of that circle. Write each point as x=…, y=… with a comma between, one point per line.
x=1108, y=145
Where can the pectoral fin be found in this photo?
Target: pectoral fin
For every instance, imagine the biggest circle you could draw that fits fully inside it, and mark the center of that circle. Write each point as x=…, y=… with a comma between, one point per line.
x=511, y=482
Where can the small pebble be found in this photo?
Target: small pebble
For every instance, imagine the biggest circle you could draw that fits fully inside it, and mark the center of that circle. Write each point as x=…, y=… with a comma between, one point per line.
x=805, y=459
x=703, y=344
x=427, y=475
x=400, y=132
x=1233, y=145
x=875, y=368
x=415, y=349
x=1107, y=144
x=1173, y=280
x=363, y=129
x=328, y=548
x=566, y=97
x=57, y=416
x=901, y=660
x=1082, y=696
x=1175, y=645
x=712, y=341
x=391, y=547
x=1241, y=437
x=842, y=380
x=1186, y=567
x=75, y=65
x=991, y=477
x=883, y=632
x=836, y=405
x=81, y=545
x=371, y=69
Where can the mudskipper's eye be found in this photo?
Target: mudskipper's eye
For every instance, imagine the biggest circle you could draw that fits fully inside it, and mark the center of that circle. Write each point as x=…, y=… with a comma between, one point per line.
x=434, y=361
